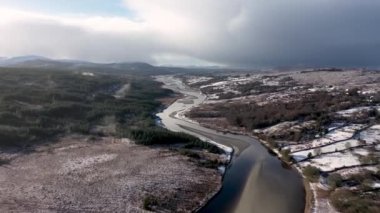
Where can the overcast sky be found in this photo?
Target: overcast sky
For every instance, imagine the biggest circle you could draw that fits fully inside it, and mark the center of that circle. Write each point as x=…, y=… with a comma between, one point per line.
x=243, y=33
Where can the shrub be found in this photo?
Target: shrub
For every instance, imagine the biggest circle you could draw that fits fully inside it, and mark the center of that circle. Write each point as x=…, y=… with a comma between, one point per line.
x=149, y=202
x=309, y=155
x=369, y=159
x=317, y=151
x=189, y=153
x=212, y=164
x=334, y=180
x=316, y=106
x=347, y=145
x=160, y=136
x=312, y=173
x=286, y=155
x=4, y=161
x=348, y=201
x=272, y=143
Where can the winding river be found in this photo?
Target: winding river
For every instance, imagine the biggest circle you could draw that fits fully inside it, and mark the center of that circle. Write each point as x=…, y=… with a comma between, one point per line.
x=255, y=180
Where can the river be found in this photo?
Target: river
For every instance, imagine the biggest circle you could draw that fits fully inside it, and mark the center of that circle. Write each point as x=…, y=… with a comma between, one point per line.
x=255, y=181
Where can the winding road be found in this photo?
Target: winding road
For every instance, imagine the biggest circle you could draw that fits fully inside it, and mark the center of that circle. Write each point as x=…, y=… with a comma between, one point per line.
x=255, y=180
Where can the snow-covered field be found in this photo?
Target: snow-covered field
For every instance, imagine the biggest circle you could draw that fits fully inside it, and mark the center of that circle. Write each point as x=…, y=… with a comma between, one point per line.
x=345, y=144
x=109, y=175
x=332, y=161
x=83, y=162
x=344, y=133
x=349, y=171
x=338, y=148
x=225, y=86
x=350, y=112
x=228, y=84
x=334, y=140
x=88, y=74
x=361, y=151
x=371, y=135
x=196, y=79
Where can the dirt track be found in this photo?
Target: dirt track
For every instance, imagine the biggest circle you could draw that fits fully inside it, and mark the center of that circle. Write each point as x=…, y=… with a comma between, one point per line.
x=106, y=175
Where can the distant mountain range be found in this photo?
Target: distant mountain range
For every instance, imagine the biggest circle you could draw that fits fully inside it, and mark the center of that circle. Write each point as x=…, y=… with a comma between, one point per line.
x=39, y=62
x=141, y=68
x=43, y=62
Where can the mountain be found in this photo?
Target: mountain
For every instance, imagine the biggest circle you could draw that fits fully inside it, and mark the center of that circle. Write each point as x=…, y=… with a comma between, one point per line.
x=134, y=68
x=38, y=62
x=21, y=59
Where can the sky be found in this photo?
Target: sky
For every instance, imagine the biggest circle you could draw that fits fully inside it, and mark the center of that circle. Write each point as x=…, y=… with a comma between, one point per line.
x=234, y=33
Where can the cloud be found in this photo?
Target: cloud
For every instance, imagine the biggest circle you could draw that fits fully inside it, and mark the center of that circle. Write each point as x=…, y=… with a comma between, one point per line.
x=91, y=38
x=235, y=33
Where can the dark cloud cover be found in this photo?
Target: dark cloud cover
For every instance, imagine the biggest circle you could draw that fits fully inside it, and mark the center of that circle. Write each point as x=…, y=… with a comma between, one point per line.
x=250, y=33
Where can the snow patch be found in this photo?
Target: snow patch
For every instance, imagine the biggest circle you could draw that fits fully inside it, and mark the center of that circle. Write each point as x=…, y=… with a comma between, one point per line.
x=362, y=152
x=84, y=162
x=350, y=112
x=88, y=74
x=194, y=79
x=371, y=135
x=301, y=155
x=332, y=161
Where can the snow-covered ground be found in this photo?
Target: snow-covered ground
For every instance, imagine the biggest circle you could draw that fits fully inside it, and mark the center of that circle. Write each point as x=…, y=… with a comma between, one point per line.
x=83, y=162
x=332, y=161
x=335, y=125
x=356, y=110
x=225, y=86
x=342, y=148
x=349, y=112
x=228, y=84
x=122, y=91
x=376, y=185
x=196, y=79
x=88, y=74
x=213, y=97
x=343, y=145
x=321, y=204
x=337, y=159
x=371, y=135
x=349, y=171
x=344, y=133
x=220, y=84
x=338, y=138
x=336, y=147
x=361, y=151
